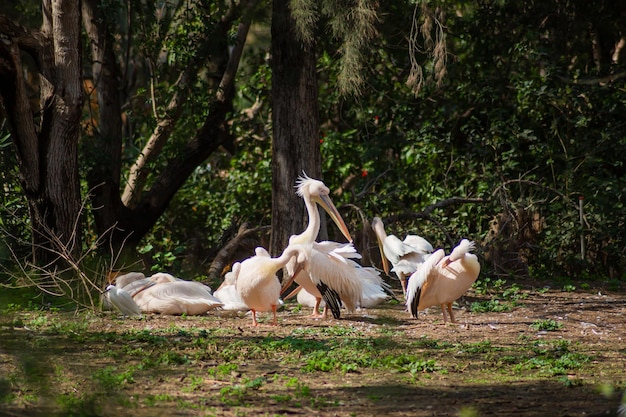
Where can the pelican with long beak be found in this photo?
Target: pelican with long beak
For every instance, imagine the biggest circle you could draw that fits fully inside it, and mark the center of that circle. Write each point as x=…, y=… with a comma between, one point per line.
x=332, y=274
x=405, y=256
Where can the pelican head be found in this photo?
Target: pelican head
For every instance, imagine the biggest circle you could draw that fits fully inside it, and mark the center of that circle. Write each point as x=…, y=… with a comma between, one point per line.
x=317, y=192
x=379, y=230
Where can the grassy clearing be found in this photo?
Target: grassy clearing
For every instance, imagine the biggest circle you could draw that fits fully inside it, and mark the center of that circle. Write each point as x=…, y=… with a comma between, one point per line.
x=57, y=363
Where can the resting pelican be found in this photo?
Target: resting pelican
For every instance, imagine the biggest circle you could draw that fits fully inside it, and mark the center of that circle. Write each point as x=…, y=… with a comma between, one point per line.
x=257, y=283
x=331, y=274
x=441, y=279
x=170, y=295
x=227, y=292
x=122, y=300
x=405, y=256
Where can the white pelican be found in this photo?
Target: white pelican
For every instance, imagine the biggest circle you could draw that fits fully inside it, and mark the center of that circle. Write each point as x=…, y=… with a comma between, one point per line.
x=257, y=283
x=227, y=292
x=405, y=256
x=122, y=300
x=170, y=295
x=331, y=274
x=441, y=279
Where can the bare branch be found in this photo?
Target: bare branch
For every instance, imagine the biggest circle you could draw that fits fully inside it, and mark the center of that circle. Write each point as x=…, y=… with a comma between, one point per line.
x=222, y=257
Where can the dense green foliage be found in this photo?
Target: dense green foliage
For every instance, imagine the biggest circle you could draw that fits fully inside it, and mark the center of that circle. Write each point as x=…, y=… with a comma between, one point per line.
x=517, y=126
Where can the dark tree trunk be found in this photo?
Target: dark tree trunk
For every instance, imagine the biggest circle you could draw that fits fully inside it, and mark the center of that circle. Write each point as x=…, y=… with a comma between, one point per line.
x=295, y=118
x=47, y=154
x=102, y=143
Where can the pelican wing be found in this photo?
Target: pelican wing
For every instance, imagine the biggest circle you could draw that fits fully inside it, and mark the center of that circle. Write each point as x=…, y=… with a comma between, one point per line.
x=419, y=278
x=418, y=243
x=137, y=286
x=336, y=277
x=123, y=301
x=394, y=249
x=123, y=280
x=178, y=297
x=375, y=290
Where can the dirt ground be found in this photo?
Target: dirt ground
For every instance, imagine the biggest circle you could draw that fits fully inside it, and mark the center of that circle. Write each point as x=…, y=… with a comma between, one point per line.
x=474, y=383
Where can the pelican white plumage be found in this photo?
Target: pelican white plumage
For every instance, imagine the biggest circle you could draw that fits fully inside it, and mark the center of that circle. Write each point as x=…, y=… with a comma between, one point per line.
x=121, y=281
x=375, y=291
x=122, y=300
x=171, y=295
x=441, y=279
x=405, y=256
x=257, y=283
x=227, y=292
x=331, y=274
x=138, y=285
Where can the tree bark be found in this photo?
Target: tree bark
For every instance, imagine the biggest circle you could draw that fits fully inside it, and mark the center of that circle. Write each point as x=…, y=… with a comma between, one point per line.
x=295, y=118
x=102, y=143
x=47, y=154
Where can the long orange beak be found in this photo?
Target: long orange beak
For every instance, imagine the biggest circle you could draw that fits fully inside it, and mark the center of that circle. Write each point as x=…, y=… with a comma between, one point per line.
x=289, y=281
x=327, y=204
x=292, y=293
x=383, y=258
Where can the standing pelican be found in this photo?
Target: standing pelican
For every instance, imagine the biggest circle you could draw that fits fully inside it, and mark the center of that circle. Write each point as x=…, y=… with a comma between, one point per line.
x=257, y=283
x=405, y=256
x=122, y=300
x=441, y=279
x=170, y=295
x=331, y=274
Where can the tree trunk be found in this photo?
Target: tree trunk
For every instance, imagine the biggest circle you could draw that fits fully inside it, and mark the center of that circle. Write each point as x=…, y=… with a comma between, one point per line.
x=295, y=118
x=48, y=154
x=102, y=143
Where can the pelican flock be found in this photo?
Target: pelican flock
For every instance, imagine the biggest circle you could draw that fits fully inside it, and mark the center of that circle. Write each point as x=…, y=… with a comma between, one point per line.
x=327, y=274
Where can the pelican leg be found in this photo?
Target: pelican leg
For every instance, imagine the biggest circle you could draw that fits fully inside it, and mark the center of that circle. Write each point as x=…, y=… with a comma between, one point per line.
x=254, y=322
x=452, y=319
x=274, y=308
x=325, y=312
x=316, y=309
x=443, y=310
x=403, y=283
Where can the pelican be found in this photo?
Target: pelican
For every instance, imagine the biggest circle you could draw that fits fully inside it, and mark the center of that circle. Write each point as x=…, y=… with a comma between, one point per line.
x=441, y=279
x=331, y=273
x=227, y=292
x=170, y=295
x=257, y=283
x=405, y=256
x=122, y=300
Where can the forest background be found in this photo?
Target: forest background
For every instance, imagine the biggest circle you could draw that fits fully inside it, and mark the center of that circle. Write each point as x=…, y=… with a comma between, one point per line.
x=498, y=121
